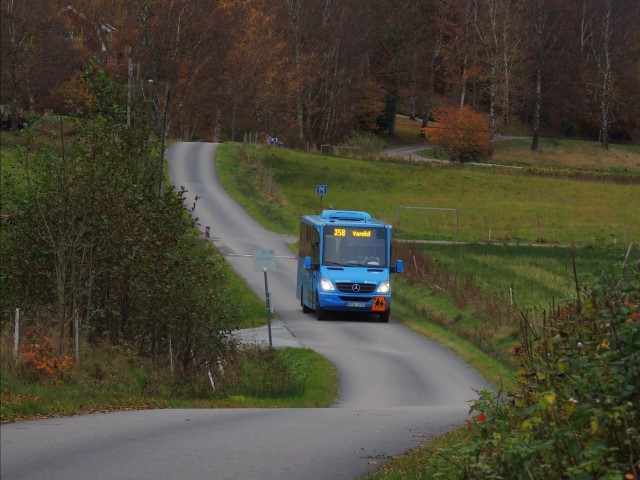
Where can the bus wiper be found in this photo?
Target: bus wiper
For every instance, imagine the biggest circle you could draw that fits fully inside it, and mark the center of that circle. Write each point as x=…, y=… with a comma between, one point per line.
x=337, y=264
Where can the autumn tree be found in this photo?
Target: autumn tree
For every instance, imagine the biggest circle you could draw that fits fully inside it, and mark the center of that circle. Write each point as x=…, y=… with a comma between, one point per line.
x=342, y=95
x=35, y=56
x=463, y=133
x=315, y=71
x=444, y=33
x=392, y=30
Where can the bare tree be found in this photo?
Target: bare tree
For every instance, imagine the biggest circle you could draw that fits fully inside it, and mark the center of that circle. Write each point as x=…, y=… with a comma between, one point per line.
x=486, y=22
x=17, y=47
x=294, y=8
x=605, y=67
x=613, y=40
x=545, y=25
x=468, y=17
x=441, y=24
x=512, y=55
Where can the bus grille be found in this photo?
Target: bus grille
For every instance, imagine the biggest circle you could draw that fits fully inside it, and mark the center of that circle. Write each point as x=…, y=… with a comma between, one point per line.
x=349, y=287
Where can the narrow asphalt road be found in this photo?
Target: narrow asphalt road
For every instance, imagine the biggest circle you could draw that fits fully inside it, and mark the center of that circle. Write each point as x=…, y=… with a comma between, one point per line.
x=396, y=388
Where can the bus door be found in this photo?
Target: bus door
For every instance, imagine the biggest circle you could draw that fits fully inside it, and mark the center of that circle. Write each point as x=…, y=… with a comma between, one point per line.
x=314, y=277
x=308, y=278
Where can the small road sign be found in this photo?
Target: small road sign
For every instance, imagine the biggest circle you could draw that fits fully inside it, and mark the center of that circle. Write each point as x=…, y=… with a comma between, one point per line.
x=264, y=260
x=321, y=189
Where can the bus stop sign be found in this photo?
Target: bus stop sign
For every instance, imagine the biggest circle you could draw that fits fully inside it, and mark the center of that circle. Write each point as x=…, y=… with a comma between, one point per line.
x=264, y=260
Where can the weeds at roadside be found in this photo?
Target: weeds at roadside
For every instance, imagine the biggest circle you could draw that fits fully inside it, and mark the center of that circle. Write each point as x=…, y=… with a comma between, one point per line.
x=112, y=378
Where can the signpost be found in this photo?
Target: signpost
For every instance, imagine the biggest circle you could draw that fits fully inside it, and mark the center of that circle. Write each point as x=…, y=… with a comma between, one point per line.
x=263, y=261
x=322, y=191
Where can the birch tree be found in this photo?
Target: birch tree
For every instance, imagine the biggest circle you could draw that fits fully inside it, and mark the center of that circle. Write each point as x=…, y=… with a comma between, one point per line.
x=604, y=58
x=486, y=23
x=610, y=35
x=512, y=40
x=545, y=26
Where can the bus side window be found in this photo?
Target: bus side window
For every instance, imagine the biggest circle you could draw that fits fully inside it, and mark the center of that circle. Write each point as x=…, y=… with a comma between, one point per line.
x=315, y=247
x=302, y=241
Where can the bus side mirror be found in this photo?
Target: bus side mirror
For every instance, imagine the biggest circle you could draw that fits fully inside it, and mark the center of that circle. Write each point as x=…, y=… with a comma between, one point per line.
x=399, y=268
x=307, y=263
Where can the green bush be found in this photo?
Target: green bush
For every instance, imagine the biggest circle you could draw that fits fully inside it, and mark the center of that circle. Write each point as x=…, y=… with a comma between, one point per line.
x=575, y=412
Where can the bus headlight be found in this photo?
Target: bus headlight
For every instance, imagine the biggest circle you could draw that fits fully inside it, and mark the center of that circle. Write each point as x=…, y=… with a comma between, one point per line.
x=326, y=285
x=384, y=287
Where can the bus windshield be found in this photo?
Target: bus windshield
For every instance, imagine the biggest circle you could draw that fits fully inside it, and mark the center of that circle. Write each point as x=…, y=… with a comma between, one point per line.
x=355, y=246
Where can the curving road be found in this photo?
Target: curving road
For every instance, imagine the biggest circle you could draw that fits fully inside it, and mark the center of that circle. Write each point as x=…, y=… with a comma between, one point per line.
x=396, y=388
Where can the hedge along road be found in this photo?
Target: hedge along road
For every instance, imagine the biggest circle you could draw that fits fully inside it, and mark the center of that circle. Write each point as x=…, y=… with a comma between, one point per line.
x=396, y=388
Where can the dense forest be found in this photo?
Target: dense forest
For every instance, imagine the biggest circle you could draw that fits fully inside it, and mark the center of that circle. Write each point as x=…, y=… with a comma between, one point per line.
x=316, y=71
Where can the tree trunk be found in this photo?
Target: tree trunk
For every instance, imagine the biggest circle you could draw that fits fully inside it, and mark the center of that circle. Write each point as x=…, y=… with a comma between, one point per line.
x=463, y=89
x=427, y=116
x=606, y=78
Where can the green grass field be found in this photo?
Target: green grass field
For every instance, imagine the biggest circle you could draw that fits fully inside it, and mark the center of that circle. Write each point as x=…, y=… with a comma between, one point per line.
x=533, y=276
x=504, y=206
x=569, y=154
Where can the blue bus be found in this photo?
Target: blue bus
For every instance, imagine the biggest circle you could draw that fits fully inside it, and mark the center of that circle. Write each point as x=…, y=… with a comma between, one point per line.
x=344, y=264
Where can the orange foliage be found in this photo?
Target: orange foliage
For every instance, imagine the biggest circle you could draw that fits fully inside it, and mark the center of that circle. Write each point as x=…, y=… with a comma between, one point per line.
x=39, y=353
x=463, y=132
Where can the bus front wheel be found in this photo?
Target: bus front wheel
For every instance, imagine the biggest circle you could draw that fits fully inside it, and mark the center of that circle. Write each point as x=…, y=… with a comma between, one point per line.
x=384, y=316
x=305, y=309
x=320, y=312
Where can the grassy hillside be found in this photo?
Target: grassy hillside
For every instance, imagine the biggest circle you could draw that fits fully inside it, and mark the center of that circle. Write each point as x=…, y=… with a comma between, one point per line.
x=569, y=154
x=501, y=205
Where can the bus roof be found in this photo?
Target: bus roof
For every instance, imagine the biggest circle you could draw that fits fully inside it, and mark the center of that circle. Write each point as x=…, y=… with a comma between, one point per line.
x=342, y=216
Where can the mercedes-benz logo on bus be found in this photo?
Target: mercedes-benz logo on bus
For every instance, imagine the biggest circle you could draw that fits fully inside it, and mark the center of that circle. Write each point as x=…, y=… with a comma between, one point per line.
x=355, y=288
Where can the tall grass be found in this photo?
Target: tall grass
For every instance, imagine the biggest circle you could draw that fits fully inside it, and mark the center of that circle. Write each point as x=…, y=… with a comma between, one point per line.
x=530, y=276
x=481, y=292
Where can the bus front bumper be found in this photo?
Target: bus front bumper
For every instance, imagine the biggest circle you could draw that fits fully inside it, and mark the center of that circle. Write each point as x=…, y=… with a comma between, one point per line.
x=374, y=304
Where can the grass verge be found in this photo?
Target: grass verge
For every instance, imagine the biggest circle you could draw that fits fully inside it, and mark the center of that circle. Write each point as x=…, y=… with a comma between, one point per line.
x=113, y=379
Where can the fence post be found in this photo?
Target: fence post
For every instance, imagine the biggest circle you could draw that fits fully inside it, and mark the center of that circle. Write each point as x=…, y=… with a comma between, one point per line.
x=170, y=355
x=539, y=230
x=76, y=338
x=213, y=385
x=16, y=335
